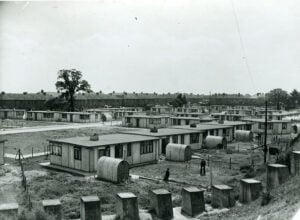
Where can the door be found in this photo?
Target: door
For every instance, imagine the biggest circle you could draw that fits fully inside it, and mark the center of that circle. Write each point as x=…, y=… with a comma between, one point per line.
x=5, y=114
x=119, y=151
x=101, y=152
x=164, y=144
x=137, y=122
x=35, y=116
x=71, y=117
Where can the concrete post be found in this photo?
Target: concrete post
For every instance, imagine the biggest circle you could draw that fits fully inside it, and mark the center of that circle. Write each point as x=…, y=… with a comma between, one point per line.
x=9, y=211
x=295, y=162
x=276, y=175
x=53, y=207
x=249, y=190
x=192, y=201
x=90, y=208
x=222, y=196
x=161, y=203
x=127, y=206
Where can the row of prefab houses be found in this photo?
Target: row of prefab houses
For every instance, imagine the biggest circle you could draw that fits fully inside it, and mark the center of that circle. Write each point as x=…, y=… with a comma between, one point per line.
x=138, y=146
x=78, y=117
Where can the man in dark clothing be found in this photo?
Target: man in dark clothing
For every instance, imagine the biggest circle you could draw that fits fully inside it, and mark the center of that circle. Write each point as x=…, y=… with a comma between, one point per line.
x=202, y=167
x=167, y=174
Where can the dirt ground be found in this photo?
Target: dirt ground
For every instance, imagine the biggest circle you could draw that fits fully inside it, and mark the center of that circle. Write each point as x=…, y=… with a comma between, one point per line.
x=48, y=184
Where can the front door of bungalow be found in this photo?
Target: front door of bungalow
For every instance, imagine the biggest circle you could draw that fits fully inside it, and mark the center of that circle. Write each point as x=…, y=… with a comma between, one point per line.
x=35, y=116
x=164, y=144
x=137, y=122
x=5, y=114
x=119, y=151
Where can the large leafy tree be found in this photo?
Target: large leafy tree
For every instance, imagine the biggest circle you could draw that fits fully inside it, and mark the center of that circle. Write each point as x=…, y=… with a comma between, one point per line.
x=278, y=97
x=179, y=101
x=70, y=82
x=294, y=99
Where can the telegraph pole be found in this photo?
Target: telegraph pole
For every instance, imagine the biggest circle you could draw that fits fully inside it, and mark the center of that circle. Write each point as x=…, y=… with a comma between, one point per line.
x=265, y=137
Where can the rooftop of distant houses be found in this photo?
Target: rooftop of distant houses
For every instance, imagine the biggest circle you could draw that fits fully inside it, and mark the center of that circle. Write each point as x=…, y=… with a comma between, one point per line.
x=160, y=132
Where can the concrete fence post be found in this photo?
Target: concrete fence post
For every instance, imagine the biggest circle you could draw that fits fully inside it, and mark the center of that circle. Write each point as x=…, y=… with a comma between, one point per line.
x=222, y=196
x=276, y=175
x=127, y=206
x=90, y=208
x=53, y=207
x=9, y=211
x=250, y=190
x=161, y=203
x=192, y=201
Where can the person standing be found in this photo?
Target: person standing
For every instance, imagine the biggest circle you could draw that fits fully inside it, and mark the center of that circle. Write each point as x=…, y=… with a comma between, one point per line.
x=167, y=174
x=202, y=167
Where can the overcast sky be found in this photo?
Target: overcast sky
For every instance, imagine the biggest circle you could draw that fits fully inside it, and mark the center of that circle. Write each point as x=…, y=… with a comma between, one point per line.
x=162, y=46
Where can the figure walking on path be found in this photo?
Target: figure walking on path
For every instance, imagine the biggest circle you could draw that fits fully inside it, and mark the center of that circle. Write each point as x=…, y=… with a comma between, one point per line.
x=167, y=174
x=202, y=167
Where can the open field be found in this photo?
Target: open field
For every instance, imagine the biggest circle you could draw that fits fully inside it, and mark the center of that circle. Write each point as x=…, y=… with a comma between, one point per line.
x=38, y=140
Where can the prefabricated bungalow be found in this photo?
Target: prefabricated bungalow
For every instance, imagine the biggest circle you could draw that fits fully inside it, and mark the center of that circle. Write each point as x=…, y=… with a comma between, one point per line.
x=2, y=142
x=162, y=109
x=229, y=116
x=146, y=121
x=12, y=113
x=223, y=130
x=82, y=153
x=118, y=113
x=171, y=135
x=77, y=117
x=274, y=127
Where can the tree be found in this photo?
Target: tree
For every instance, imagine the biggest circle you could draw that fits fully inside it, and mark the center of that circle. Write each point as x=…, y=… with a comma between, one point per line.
x=278, y=97
x=70, y=82
x=179, y=101
x=294, y=99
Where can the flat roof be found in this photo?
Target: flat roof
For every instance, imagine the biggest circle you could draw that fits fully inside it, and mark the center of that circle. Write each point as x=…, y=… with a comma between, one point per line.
x=230, y=123
x=263, y=120
x=160, y=132
x=107, y=139
x=202, y=127
x=147, y=116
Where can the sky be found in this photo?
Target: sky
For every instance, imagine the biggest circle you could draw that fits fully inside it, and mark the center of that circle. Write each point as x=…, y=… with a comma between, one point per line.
x=193, y=46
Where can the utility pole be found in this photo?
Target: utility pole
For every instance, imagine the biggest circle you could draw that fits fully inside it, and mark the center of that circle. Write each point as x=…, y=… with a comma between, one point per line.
x=265, y=137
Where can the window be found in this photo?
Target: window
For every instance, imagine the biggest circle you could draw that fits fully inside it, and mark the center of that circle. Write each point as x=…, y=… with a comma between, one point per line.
x=48, y=115
x=284, y=126
x=129, y=150
x=175, y=139
x=146, y=147
x=19, y=113
x=55, y=149
x=77, y=153
x=64, y=115
x=84, y=117
x=194, y=138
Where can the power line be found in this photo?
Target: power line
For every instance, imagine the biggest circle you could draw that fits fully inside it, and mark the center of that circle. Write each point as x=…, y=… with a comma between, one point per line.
x=242, y=43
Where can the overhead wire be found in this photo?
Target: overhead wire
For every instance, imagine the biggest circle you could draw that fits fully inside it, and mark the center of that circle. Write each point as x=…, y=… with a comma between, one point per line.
x=244, y=54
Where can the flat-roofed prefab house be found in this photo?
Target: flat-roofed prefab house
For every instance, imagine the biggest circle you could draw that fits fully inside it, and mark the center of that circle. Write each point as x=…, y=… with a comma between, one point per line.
x=12, y=114
x=82, y=153
x=43, y=115
x=171, y=135
x=146, y=121
x=275, y=129
x=80, y=117
x=2, y=142
x=184, y=120
x=210, y=129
